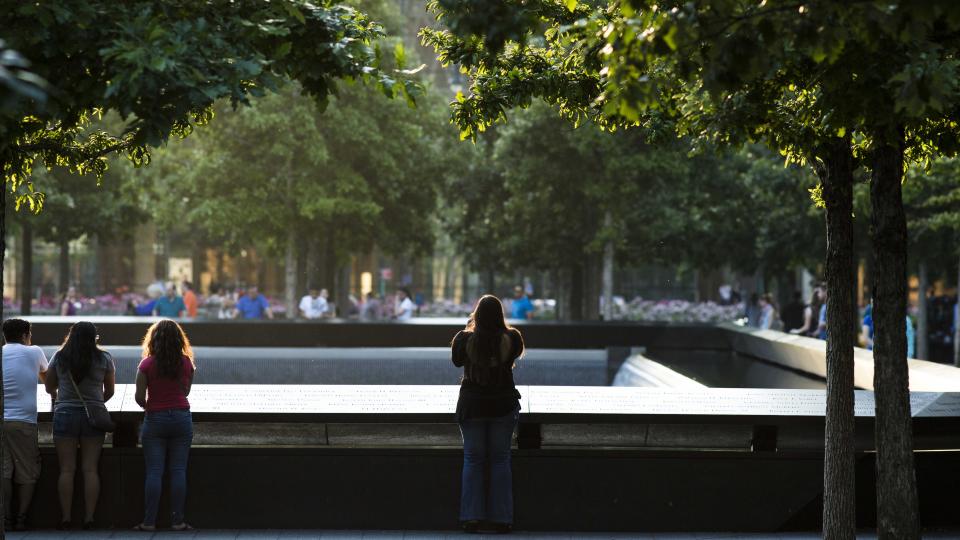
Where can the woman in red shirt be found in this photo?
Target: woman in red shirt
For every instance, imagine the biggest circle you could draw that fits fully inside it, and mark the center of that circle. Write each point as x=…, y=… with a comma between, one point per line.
x=163, y=384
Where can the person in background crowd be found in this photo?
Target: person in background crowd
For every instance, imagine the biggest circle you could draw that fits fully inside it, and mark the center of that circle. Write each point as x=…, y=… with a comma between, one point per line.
x=522, y=307
x=866, y=328
x=821, y=331
x=170, y=305
x=866, y=332
x=314, y=305
x=726, y=295
x=911, y=339
x=81, y=375
x=164, y=378
x=811, y=313
x=371, y=308
x=24, y=364
x=793, y=313
x=69, y=303
x=768, y=313
x=752, y=311
x=404, y=308
x=190, y=300
x=253, y=305
x=487, y=411
x=419, y=300
x=227, y=307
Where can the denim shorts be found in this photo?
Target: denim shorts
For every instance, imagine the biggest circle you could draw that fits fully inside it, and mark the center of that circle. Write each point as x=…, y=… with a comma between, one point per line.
x=72, y=423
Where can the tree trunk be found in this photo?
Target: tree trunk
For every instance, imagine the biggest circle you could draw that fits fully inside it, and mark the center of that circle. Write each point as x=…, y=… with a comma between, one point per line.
x=592, y=287
x=563, y=294
x=839, y=507
x=3, y=256
x=956, y=325
x=26, y=272
x=290, y=274
x=491, y=282
x=221, y=256
x=329, y=275
x=608, y=271
x=897, y=506
x=923, y=325
x=342, y=290
x=312, y=262
x=576, y=293
x=64, y=282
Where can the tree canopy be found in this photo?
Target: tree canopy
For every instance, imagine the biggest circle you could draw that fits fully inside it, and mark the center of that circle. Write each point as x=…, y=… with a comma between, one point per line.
x=162, y=67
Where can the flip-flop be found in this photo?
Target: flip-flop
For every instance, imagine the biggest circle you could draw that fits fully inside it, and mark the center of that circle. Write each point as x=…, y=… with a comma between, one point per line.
x=143, y=528
x=182, y=527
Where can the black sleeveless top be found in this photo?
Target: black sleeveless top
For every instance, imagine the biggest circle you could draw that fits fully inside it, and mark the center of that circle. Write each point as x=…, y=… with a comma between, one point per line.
x=487, y=389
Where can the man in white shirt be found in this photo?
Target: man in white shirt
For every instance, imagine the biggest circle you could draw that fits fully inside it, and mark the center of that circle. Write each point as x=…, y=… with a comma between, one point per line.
x=314, y=305
x=24, y=365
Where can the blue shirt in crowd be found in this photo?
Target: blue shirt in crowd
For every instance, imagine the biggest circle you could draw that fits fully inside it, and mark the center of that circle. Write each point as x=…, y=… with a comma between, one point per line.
x=521, y=306
x=911, y=332
x=822, y=319
x=252, y=308
x=165, y=307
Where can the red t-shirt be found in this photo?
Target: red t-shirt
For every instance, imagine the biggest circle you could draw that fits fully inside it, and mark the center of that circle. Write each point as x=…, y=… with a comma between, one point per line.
x=164, y=393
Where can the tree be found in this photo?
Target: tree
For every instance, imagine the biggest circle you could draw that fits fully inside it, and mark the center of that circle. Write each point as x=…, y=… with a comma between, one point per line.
x=830, y=84
x=162, y=66
x=543, y=195
x=931, y=195
x=281, y=175
x=76, y=206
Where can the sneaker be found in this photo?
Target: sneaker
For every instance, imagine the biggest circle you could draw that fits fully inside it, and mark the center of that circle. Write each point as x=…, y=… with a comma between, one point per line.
x=471, y=527
x=502, y=528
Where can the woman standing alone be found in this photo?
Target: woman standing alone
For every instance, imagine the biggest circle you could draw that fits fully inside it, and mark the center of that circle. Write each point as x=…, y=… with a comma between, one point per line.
x=163, y=384
x=487, y=412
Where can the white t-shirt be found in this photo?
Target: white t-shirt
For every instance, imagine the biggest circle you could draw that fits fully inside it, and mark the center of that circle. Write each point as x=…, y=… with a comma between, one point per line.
x=22, y=366
x=405, y=310
x=314, y=308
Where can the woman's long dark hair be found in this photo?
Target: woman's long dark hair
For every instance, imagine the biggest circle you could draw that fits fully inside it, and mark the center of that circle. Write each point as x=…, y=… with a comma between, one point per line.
x=166, y=342
x=79, y=349
x=488, y=326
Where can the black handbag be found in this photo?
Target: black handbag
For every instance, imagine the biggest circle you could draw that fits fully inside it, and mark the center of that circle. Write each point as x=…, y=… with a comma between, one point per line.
x=97, y=417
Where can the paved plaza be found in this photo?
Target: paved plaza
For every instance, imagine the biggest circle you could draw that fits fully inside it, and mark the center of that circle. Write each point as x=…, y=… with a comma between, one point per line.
x=426, y=535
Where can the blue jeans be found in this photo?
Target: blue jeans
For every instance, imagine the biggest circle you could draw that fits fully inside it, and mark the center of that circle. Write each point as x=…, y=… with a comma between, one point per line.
x=486, y=448
x=166, y=438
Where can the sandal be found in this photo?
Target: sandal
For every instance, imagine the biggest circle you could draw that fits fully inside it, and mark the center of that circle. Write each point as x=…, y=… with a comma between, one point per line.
x=182, y=527
x=145, y=528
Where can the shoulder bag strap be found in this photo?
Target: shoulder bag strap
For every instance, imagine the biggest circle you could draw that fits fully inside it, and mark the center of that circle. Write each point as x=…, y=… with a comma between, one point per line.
x=80, y=395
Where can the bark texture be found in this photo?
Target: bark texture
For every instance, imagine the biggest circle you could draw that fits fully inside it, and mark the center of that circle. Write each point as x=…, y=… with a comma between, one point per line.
x=3, y=253
x=839, y=504
x=64, y=266
x=608, y=271
x=923, y=325
x=956, y=329
x=26, y=273
x=897, y=506
x=290, y=275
